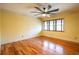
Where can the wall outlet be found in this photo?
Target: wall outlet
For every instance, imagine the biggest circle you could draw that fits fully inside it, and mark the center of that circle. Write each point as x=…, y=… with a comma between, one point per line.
x=20, y=36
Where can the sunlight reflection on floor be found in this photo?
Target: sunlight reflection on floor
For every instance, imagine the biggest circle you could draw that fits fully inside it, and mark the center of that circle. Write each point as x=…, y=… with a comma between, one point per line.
x=53, y=47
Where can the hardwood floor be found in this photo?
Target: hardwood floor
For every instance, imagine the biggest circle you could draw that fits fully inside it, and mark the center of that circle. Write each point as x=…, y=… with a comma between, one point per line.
x=40, y=46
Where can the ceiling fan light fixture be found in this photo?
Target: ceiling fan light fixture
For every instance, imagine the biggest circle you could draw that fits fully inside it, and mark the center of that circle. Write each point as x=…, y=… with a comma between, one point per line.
x=45, y=15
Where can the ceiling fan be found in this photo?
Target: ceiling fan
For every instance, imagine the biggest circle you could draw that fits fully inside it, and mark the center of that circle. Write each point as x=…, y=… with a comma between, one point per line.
x=45, y=10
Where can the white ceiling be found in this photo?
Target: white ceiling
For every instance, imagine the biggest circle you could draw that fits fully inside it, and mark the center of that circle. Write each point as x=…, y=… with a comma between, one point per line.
x=26, y=8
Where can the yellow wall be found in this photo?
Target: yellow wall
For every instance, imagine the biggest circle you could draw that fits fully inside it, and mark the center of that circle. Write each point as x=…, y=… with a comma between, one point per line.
x=0, y=26
x=71, y=27
x=17, y=27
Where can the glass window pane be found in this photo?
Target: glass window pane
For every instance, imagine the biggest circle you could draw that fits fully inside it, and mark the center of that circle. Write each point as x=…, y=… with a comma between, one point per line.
x=59, y=28
x=59, y=25
x=45, y=24
x=54, y=25
x=48, y=25
x=62, y=25
x=51, y=25
x=45, y=27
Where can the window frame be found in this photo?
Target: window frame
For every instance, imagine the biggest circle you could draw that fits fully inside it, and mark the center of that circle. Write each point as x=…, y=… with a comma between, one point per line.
x=54, y=25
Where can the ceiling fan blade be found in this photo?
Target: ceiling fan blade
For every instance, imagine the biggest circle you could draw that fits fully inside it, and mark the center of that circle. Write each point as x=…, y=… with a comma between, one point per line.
x=53, y=10
x=49, y=6
x=39, y=9
x=35, y=12
x=53, y=13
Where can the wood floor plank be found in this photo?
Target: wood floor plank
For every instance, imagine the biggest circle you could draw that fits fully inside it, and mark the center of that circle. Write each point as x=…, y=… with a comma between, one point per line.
x=40, y=46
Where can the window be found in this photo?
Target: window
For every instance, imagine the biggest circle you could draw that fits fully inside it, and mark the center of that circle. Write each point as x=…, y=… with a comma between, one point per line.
x=51, y=25
x=59, y=25
x=54, y=25
x=45, y=25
